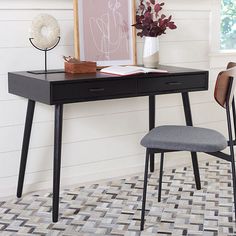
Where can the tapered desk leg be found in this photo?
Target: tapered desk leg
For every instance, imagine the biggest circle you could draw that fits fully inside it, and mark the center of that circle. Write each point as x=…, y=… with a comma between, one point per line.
x=189, y=122
x=152, y=106
x=25, y=146
x=57, y=160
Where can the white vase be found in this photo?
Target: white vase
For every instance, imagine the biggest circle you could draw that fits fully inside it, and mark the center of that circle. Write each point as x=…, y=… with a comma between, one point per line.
x=151, y=52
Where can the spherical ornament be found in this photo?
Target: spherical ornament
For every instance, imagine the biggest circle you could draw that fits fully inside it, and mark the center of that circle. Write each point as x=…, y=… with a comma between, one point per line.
x=44, y=31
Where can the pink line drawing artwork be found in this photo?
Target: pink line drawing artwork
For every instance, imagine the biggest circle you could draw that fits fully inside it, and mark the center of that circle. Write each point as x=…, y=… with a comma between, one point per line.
x=107, y=26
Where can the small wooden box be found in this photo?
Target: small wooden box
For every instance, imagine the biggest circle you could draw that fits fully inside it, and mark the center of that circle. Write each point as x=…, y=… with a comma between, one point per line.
x=81, y=67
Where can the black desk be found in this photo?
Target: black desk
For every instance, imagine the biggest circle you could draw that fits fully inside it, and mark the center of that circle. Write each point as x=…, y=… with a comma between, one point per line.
x=59, y=89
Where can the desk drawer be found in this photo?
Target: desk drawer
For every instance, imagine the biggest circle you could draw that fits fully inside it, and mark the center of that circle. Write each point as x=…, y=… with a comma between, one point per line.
x=94, y=90
x=173, y=83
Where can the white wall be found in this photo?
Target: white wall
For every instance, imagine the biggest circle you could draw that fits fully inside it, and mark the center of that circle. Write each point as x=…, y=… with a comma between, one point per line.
x=100, y=139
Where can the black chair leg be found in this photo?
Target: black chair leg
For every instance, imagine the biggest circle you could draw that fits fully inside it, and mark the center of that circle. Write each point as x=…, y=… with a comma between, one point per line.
x=231, y=145
x=25, y=146
x=234, y=185
x=189, y=122
x=57, y=160
x=196, y=170
x=160, y=176
x=152, y=106
x=144, y=190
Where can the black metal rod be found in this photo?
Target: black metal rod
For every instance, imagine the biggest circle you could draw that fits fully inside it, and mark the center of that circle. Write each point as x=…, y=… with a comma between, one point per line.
x=232, y=155
x=152, y=107
x=144, y=190
x=25, y=146
x=156, y=150
x=234, y=117
x=196, y=170
x=45, y=62
x=189, y=122
x=45, y=51
x=160, y=176
x=57, y=159
x=220, y=155
x=231, y=143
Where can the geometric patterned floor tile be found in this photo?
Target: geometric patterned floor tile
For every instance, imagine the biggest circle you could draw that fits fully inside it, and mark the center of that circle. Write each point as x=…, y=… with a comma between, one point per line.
x=114, y=207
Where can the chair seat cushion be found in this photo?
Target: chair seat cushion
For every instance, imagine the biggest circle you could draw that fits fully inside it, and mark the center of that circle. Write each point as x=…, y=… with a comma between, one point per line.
x=185, y=138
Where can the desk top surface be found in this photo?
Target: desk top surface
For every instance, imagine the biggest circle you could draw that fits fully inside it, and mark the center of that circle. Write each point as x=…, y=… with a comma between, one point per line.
x=65, y=77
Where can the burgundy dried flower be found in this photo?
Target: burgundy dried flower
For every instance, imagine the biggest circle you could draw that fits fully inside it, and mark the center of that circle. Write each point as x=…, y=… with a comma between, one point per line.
x=149, y=22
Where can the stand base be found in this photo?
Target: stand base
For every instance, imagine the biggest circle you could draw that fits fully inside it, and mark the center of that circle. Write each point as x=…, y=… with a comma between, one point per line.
x=43, y=72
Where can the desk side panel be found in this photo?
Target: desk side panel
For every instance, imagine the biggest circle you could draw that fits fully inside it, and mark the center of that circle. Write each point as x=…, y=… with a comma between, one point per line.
x=36, y=90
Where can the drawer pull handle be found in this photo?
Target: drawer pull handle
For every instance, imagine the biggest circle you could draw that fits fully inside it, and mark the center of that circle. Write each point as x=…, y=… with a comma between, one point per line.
x=96, y=89
x=174, y=83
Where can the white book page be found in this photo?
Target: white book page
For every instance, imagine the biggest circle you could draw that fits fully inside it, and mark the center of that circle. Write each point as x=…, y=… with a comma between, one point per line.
x=129, y=70
x=122, y=70
x=148, y=70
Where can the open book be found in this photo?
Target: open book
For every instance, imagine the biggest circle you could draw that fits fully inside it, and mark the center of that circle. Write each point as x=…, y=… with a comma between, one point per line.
x=129, y=70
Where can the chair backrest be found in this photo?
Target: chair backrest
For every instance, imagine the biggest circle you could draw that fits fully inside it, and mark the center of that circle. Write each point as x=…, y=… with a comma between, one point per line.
x=222, y=85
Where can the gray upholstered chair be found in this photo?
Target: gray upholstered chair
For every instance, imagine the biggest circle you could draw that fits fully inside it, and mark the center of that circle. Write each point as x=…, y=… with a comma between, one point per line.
x=170, y=138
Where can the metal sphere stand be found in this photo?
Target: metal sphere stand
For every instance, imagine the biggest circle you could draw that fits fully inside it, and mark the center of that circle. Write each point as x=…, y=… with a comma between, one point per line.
x=45, y=71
